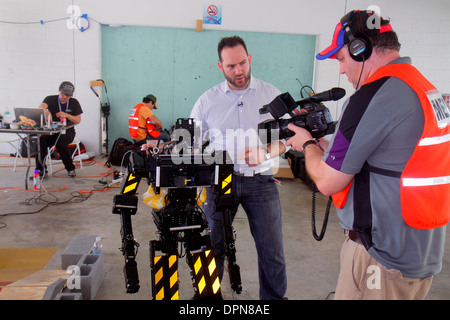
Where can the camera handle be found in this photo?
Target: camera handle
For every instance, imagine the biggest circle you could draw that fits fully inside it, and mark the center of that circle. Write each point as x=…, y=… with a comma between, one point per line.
x=313, y=215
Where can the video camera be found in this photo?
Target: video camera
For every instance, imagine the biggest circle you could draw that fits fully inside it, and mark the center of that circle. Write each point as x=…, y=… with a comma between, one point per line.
x=317, y=120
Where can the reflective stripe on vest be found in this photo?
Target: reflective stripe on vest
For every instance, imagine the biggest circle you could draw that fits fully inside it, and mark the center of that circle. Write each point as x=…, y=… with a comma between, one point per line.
x=419, y=182
x=425, y=181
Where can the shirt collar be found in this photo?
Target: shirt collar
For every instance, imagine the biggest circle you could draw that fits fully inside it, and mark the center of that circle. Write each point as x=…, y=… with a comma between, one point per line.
x=406, y=60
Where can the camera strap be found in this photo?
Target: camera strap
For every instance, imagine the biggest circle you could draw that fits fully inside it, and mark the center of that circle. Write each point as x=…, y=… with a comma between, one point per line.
x=313, y=215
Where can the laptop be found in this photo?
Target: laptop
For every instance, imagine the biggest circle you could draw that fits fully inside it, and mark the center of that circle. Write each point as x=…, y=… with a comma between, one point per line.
x=35, y=114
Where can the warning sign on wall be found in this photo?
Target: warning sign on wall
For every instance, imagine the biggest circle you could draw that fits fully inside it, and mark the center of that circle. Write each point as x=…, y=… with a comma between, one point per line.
x=212, y=14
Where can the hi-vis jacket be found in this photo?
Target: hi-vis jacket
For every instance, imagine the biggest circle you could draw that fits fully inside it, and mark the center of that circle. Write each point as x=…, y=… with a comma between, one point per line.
x=133, y=123
x=425, y=181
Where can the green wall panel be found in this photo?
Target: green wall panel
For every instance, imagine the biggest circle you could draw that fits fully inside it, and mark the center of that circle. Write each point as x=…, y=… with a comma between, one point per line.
x=178, y=65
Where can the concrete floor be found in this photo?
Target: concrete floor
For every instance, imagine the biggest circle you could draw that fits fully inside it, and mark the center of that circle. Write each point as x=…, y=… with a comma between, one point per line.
x=312, y=266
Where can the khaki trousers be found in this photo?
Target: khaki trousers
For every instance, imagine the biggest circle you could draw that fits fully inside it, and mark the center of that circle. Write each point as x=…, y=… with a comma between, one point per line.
x=363, y=278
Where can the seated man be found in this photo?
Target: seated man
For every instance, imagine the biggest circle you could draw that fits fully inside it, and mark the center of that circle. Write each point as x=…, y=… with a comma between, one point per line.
x=56, y=107
x=143, y=125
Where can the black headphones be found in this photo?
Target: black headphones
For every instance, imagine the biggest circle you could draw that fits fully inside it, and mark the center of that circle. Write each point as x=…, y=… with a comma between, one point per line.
x=359, y=45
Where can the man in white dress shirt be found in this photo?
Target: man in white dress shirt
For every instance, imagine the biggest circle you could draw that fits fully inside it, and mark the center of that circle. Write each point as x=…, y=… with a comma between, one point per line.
x=228, y=115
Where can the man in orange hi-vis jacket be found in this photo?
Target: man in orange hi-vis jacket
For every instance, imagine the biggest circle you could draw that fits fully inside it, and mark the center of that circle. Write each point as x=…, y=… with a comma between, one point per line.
x=387, y=165
x=143, y=125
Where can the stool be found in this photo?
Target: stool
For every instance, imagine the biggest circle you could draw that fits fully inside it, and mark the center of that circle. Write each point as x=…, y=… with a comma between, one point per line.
x=76, y=142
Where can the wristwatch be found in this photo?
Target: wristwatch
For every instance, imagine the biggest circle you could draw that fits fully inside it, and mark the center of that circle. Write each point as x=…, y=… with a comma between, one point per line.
x=307, y=143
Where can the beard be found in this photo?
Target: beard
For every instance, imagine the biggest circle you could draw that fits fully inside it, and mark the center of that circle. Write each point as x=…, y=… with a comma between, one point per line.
x=238, y=82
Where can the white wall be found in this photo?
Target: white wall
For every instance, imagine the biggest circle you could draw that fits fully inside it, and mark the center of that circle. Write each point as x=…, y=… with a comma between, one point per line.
x=35, y=58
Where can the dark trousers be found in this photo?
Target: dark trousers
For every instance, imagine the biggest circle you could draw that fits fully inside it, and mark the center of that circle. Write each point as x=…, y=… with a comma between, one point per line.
x=62, y=144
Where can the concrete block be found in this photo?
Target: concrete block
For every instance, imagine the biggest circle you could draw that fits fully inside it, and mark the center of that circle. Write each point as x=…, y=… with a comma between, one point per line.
x=54, y=289
x=76, y=249
x=69, y=296
x=91, y=275
x=91, y=266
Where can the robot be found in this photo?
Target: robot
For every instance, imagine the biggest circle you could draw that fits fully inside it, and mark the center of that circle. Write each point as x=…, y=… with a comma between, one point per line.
x=177, y=190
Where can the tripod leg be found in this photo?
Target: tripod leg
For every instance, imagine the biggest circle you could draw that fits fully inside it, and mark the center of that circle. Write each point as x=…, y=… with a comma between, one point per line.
x=164, y=273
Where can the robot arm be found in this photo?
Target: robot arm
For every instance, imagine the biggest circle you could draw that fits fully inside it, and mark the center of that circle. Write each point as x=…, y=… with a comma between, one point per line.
x=225, y=203
x=126, y=204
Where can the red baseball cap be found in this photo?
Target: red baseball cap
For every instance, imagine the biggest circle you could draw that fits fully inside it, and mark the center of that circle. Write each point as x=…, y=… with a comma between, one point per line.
x=339, y=37
x=336, y=44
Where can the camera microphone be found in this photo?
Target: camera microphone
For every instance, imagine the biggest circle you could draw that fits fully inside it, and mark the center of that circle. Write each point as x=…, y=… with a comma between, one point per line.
x=334, y=94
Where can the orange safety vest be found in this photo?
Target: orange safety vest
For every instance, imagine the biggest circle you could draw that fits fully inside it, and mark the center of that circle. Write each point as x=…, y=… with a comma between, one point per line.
x=425, y=181
x=133, y=123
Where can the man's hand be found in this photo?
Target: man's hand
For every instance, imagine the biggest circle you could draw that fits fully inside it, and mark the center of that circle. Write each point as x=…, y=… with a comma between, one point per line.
x=301, y=136
x=61, y=114
x=253, y=156
x=72, y=118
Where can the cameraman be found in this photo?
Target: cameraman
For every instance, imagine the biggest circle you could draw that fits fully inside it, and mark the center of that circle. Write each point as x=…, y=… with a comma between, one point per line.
x=233, y=105
x=395, y=223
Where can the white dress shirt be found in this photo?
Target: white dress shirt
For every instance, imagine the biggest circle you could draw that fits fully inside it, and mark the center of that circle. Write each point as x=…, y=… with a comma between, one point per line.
x=229, y=119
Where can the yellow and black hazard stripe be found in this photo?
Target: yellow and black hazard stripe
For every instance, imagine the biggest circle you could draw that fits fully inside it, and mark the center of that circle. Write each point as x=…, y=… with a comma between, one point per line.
x=205, y=271
x=165, y=278
x=130, y=184
x=226, y=185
